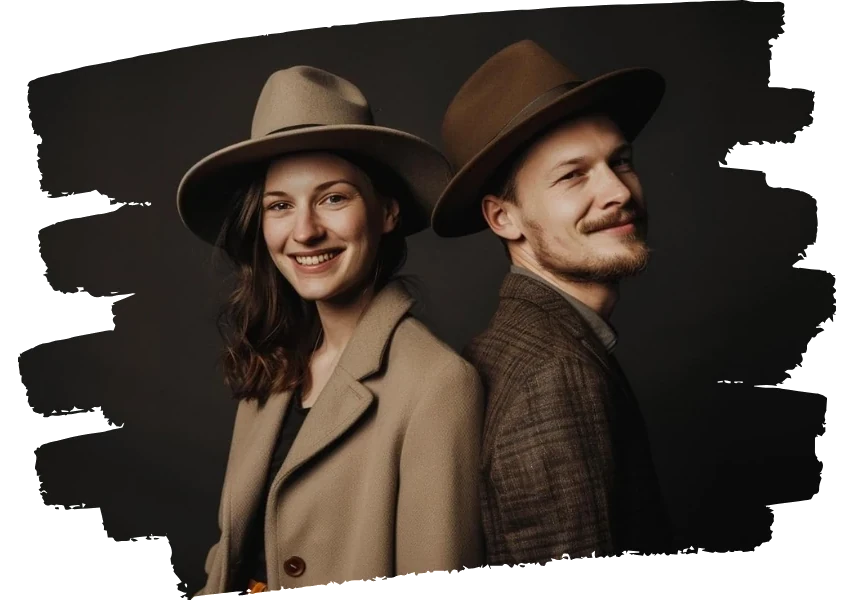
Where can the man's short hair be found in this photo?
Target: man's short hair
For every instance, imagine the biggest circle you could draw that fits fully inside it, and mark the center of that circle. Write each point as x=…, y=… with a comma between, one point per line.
x=502, y=184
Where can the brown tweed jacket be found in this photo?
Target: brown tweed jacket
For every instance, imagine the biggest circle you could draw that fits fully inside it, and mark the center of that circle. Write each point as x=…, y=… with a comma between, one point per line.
x=565, y=466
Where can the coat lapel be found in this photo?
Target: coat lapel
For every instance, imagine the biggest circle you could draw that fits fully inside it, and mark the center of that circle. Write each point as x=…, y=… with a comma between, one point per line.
x=337, y=408
x=344, y=399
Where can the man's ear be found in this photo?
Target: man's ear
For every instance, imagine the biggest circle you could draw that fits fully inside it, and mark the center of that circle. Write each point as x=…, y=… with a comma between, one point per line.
x=500, y=217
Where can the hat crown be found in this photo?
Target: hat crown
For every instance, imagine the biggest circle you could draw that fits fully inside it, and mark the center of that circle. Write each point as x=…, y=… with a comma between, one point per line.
x=302, y=96
x=498, y=91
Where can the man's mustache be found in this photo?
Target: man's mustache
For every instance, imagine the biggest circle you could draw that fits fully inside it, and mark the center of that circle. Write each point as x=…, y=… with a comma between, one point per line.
x=614, y=219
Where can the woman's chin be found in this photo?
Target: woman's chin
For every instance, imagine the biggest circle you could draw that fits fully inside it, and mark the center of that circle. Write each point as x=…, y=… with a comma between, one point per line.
x=332, y=292
x=316, y=293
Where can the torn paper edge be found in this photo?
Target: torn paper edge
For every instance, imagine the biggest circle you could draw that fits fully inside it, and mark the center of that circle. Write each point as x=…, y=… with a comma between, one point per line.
x=109, y=205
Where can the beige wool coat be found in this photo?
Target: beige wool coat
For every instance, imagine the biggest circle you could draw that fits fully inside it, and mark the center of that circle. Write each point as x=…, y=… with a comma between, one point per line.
x=382, y=478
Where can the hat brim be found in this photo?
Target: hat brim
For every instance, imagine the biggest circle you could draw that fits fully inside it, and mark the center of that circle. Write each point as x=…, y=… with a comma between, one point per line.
x=206, y=192
x=628, y=96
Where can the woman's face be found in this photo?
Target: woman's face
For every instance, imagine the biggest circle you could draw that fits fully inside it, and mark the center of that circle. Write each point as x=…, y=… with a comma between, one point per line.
x=322, y=223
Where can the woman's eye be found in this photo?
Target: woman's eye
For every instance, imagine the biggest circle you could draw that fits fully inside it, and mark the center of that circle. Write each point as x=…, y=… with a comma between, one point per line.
x=624, y=162
x=335, y=199
x=570, y=175
x=278, y=206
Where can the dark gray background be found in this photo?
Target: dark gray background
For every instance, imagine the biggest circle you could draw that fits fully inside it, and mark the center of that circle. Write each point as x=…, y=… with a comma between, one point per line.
x=720, y=300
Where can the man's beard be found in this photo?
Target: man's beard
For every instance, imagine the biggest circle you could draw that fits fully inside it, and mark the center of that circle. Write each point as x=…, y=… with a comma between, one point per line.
x=632, y=260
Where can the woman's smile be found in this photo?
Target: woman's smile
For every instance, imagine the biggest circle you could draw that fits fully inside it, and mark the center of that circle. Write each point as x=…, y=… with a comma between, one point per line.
x=315, y=262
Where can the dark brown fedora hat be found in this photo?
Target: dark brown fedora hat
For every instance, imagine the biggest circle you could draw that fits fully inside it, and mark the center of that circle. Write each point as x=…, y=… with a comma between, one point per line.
x=304, y=108
x=515, y=95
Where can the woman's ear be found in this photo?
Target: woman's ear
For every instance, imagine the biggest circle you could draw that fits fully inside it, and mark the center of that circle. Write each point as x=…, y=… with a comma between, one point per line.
x=391, y=214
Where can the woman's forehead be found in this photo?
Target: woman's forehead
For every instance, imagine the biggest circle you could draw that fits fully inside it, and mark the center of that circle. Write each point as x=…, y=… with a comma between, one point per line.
x=298, y=171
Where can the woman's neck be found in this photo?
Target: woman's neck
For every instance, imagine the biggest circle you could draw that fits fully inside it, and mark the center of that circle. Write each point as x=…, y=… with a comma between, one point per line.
x=338, y=320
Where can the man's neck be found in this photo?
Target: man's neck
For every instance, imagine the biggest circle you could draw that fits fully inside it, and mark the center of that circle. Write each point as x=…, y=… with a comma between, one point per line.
x=601, y=297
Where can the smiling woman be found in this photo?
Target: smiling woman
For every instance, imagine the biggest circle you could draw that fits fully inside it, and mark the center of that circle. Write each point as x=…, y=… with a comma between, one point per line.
x=320, y=213
x=357, y=434
x=306, y=241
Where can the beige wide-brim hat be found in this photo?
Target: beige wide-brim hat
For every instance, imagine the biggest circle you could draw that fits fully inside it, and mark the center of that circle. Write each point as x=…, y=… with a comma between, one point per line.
x=303, y=109
x=515, y=95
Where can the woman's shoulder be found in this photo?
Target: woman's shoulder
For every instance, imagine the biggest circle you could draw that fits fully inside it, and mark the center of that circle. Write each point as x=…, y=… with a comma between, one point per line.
x=422, y=370
x=415, y=349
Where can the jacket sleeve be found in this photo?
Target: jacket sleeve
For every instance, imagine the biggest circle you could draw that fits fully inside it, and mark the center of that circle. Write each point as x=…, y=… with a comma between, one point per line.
x=438, y=516
x=550, y=468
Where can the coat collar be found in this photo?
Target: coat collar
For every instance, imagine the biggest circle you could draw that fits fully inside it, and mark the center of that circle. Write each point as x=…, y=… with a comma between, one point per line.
x=341, y=403
x=603, y=330
x=522, y=287
x=363, y=356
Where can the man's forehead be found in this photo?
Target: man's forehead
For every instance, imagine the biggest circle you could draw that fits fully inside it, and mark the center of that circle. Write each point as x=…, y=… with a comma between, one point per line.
x=591, y=134
x=586, y=127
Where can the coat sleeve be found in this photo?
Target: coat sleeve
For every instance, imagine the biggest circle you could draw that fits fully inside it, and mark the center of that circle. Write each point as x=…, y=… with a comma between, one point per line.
x=438, y=515
x=209, y=562
x=550, y=467
x=214, y=584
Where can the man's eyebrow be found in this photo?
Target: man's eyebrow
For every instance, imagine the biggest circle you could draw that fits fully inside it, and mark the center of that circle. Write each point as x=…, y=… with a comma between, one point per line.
x=568, y=162
x=624, y=148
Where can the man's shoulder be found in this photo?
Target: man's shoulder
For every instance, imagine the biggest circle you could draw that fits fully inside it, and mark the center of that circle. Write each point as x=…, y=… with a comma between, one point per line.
x=519, y=317
x=525, y=350
x=519, y=331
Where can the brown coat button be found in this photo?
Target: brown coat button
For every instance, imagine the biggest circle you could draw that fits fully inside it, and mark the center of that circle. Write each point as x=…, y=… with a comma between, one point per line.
x=294, y=566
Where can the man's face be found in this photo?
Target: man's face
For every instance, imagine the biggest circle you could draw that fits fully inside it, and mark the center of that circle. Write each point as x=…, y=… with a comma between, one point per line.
x=579, y=204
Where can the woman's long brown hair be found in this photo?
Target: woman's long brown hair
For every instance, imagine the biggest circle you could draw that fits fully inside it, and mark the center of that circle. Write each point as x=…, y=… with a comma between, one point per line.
x=269, y=331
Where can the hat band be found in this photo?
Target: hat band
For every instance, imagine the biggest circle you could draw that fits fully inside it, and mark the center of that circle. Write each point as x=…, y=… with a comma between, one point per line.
x=536, y=104
x=290, y=127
